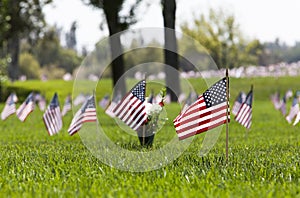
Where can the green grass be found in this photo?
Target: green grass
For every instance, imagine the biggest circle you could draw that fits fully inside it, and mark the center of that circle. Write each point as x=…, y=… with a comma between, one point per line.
x=264, y=162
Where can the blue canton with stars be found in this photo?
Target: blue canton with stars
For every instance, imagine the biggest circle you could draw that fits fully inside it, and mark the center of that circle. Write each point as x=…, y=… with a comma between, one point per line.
x=249, y=98
x=139, y=90
x=216, y=94
x=54, y=103
x=89, y=104
x=11, y=100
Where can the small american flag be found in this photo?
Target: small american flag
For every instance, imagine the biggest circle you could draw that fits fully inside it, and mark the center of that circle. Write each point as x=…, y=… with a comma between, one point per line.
x=52, y=117
x=238, y=103
x=10, y=107
x=244, y=115
x=87, y=113
x=283, y=106
x=81, y=98
x=189, y=100
x=113, y=104
x=131, y=110
x=275, y=98
x=293, y=111
x=209, y=111
x=15, y=98
x=297, y=119
x=278, y=103
x=42, y=103
x=26, y=108
x=67, y=106
x=181, y=97
x=104, y=102
x=151, y=98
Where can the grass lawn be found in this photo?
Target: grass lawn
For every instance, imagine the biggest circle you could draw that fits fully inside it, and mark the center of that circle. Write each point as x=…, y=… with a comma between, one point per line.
x=265, y=162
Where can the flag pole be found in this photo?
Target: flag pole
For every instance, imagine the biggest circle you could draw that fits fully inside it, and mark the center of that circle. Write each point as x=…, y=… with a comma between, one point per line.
x=144, y=126
x=144, y=130
x=227, y=113
x=247, y=130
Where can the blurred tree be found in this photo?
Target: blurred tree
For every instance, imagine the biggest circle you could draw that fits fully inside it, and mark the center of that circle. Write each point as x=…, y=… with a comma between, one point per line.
x=117, y=22
x=3, y=75
x=29, y=66
x=274, y=51
x=48, y=48
x=253, y=53
x=219, y=34
x=49, y=52
x=71, y=37
x=170, y=50
x=139, y=56
x=22, y=19
x=4, y=27
x=68, y=60
x=84, y=51
x=221, y=37
x=293, y=53
x=52, y=72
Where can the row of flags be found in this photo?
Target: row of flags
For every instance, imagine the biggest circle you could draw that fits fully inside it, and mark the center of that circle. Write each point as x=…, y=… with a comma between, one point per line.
x=243, y=109
x=199, y=113
x=52, y=116
x=281, y=105
x=28, y=106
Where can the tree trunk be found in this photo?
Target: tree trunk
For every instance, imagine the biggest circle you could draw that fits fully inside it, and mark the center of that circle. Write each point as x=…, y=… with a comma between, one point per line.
x=117, y=65
x=170, y=51
x=13, y=49
x=13, y=41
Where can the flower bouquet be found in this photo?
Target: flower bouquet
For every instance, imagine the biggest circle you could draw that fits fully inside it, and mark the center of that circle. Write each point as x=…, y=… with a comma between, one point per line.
x=156, y=118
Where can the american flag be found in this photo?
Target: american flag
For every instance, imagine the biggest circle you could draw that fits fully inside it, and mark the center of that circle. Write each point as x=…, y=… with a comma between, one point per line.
x=67, y=106
x=297, y=119
x=293, y=111
x=42, y=103
x=151, y=98
x=26, y=108
x=10, y=107
x=190, y=99
x=181, y=97
x=81, y=98
x=113, y=104
x=288, y=94
x=52, y=116
x=283, y=106
x=131, y=110
x=275, y=98
x=104, y=102
x=167, y=99
x=209, y=111
x=37, y=96
x=87, y=113
x=244, y=115
x=238, y=103
x=15, y=98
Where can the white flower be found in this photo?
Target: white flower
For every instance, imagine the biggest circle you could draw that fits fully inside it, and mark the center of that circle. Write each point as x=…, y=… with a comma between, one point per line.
x=148, y=107
x=155, y=110
x=152, y=109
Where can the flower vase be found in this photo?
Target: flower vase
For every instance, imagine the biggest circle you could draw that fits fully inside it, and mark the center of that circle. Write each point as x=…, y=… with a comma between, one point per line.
x=146, y=137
